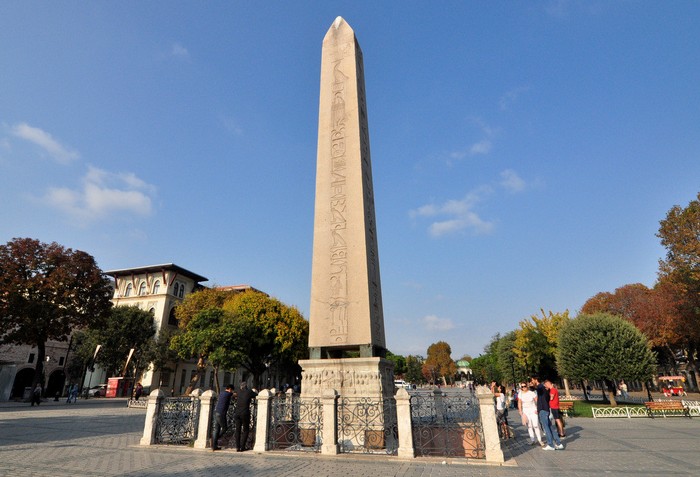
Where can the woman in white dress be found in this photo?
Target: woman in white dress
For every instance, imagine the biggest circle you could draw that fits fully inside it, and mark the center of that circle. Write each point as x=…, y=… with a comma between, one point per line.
x=527, y=405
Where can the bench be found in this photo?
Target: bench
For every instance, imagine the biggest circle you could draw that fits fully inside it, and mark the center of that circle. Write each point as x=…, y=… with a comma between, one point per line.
x=675, y=408
x=566, y=407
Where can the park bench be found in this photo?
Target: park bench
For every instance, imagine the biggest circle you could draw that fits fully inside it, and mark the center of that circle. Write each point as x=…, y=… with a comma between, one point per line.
x=566, y=407
x=675, y=408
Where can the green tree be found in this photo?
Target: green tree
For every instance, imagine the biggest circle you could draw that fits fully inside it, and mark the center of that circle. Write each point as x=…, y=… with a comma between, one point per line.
x=604, y=347
x=414, y=369
x=399, y=364
x=265, y=332
x=535, y=343
x=506, y=360
x=191, y=306
x=485, y=366
x=439, y=363
x=127, y=328
x=47, y=291
x=208, y=336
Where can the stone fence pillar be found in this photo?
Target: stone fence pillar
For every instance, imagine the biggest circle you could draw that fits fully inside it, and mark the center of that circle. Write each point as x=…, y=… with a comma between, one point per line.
x=330, y=422
x=487, y=409
x=206, y=412
x=405, y=429
x=262, y=424
x=149, y=429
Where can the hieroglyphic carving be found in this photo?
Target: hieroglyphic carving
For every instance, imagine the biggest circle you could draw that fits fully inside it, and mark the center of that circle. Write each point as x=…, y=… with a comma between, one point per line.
x=338, y=303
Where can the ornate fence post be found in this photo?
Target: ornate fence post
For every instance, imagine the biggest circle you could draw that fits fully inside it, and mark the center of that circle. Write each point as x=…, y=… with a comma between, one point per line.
x=405, y=429
x=262, y=425
x=330, y=424
x=439, y=405
x=492, y=443
x=206, y=409
x=149, y=428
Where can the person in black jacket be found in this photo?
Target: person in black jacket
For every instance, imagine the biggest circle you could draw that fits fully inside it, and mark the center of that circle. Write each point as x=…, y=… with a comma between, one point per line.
x=241, y=415
x=222, y=404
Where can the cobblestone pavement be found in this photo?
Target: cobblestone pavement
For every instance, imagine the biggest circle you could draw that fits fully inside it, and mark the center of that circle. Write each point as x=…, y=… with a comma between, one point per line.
x=99, y=437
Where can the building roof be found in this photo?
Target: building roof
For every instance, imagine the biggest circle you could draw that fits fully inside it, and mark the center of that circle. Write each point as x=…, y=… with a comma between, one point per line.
x=158, y=268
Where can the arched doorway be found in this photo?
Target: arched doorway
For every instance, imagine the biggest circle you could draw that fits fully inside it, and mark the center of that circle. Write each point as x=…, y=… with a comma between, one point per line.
x=57, y=380
x=23, y=379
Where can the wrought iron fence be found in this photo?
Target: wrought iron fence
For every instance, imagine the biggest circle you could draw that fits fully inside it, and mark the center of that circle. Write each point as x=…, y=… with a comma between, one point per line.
x=228, y=438
x=447, y=425
x=296, y=424
x=177, y=421
x=367, y=426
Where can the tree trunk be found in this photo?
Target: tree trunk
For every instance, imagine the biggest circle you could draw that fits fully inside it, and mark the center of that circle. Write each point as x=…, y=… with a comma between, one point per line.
x=39, y=370
x=566, y=387
x=693, y=366
x=197, y=378
x=585, y=391
x=612, y=390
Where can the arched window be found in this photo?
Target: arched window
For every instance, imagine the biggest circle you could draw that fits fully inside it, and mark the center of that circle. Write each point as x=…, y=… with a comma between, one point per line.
x=156, y=287
x=171, y=317
x=128, y=290
x=142, y=289
x=152, y=311
x=182, y=291
x=177, y=288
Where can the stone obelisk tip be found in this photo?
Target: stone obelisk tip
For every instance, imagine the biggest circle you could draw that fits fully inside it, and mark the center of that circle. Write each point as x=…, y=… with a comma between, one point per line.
x=337, y=22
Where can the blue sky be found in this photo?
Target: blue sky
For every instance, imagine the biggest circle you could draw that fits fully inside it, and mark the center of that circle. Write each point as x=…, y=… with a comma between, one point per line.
x=523, y=152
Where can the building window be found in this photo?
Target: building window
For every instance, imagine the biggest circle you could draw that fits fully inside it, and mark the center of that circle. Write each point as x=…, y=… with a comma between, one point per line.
x=128, y=290
x=156, y=287
x=60, y=361
x=171, y=318
x=182, y=291
x=31, y=358
x=142, y=289
x=177, y=288
x=152, y=311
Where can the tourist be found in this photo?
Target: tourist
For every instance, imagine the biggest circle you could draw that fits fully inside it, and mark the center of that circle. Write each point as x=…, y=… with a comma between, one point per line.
x=553, y=441
x=241, y=415
x=527, y=406
x=36, y=395
x=502, y=412
x=138, y=391
x=554, y=407
x=222, y=404
x=623, y=389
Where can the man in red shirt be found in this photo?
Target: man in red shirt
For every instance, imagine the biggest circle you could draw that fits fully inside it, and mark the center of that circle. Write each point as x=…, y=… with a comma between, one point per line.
x=554, y=406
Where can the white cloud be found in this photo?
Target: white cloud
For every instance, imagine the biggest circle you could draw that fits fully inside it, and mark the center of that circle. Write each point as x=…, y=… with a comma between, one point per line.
x=103, y=193
x=510, y=97
x=511, y=181
x=44, y=140
x=480, y=147
x=461, y=215
x=433, y=323
x=179, y=51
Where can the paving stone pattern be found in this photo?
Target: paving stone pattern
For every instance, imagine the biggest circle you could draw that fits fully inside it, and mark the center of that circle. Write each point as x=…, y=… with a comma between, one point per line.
x=99, y=437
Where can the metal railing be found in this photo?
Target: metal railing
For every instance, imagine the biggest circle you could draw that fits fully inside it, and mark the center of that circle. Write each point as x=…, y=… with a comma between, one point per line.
x=176, y=421
x=447, y=425
x=367, y=426
x=228, y=438
x=295, y=424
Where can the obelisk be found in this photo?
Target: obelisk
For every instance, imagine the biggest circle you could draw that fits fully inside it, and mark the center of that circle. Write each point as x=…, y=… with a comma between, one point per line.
x=346, y=332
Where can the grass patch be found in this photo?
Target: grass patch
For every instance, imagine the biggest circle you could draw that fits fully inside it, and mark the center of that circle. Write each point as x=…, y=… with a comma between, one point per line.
x=583, y=408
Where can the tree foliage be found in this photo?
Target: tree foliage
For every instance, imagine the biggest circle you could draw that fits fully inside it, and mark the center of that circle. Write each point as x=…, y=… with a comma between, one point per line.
x=265, y=332
x=680, y=235
x=439, y=363
x=605, y=347
x=47, y=291
x=399, y=363
x=485, y=366
x=535, y=343
x=128, y=327
x=414, y=369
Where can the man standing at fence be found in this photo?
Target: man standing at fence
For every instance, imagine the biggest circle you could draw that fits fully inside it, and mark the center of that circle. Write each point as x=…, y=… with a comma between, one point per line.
x=222, y=404
x=543, y=414
x=241, y=415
